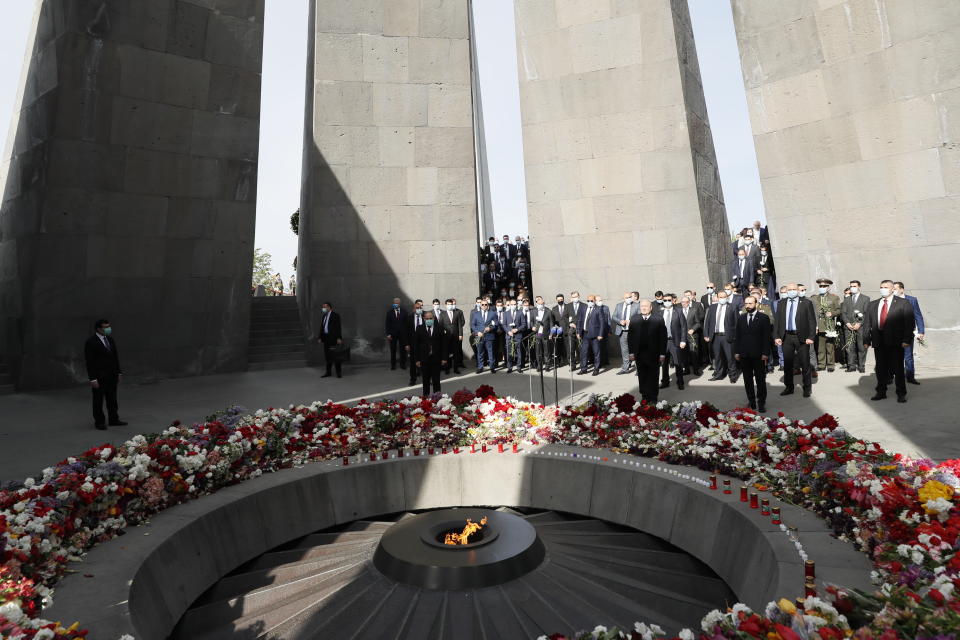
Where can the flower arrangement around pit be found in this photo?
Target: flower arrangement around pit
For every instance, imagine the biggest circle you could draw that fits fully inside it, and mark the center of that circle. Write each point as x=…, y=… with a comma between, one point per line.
x=903, y=513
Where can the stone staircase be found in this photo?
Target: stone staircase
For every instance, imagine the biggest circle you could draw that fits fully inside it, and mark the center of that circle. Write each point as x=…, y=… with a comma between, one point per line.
x=276, y=335
x=6, y=379
x=324, y=586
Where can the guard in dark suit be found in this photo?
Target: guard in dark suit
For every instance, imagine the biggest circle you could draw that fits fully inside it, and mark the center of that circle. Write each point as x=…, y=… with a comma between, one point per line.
x=676, y=326
x=853, y=313
x=453, y=322
x=751, y=349
x=414, y=321
x=592, y=328
x=514, y=326
x=561, y=316
x=103, y=371
x=394, y=325
x=430, y=348
x=795, y=330
x=743, y=271
x=693, y=315
x=330, y=336
x=648, y=349
x=541, y=326
x=720, y=325
x=891, y=326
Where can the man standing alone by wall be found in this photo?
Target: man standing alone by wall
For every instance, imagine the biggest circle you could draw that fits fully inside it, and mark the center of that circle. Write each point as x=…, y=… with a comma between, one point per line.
x=103, y=371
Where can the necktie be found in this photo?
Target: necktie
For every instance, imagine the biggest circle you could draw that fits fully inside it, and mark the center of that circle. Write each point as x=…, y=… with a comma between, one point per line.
x=666, y=321
x=741, y=267
x=883, y=313
x=719, y=319
x=749, y=319
x=790, y=324
x=106, y=343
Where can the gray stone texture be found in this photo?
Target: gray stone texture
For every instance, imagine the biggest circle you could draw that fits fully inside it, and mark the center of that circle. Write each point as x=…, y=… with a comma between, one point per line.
x=854, y=106
x=621, y=176
x=130, y=186
x=389, y=204
x=144, y=588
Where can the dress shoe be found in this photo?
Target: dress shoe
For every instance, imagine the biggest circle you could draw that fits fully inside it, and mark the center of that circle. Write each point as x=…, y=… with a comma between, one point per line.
x=879, y=396
x=786, y=392
x=862, y=370
x=715, y=377
x=680, y=386
x=118, y=423
x=621, y=372
x=596, y=372
x=479, y=371
x=393, y=367
x=327, y=375
x=913, y=381
x=403, y=365
x=829, y=369
x=582, y=372
x=851, y=369
x=762, y=408
x=456, y=372
x=493, y=370
x=753, y=405
x=901, y=399
x=664, y=385
x=734, y=378
x=806, y=393
x=509, y=369
x=710, y=368
x=780, y=368
x=100, y=427
x=819, y=368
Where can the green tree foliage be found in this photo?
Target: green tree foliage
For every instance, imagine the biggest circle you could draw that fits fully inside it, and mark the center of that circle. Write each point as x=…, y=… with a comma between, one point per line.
x=262, y=268
x=295, y=222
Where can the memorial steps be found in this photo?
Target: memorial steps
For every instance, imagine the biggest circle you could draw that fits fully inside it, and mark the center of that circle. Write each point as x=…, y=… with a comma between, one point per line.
x=323, y=585
x=276, y=334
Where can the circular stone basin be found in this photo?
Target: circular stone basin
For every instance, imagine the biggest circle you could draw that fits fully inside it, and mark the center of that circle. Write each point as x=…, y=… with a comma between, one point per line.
x=413, y=552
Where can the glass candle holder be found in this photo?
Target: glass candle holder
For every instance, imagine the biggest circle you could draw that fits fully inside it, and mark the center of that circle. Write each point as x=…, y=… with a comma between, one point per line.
x=384, y=455
x=483, y=448
x=346, y=460
x=743, y=494
x=754, y=500
x=416, y=451
x=499, y=447
x=373, y=456
x=400, y=452
x=809, y=570
x=775, y=516
x=764, y=507
x=456, y=449
x=726, y=487
x=713, y=483
x=810, y=588
x=515, y=447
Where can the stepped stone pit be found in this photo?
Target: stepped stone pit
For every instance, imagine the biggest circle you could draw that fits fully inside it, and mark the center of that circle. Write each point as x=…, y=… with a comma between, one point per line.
x=503, y=547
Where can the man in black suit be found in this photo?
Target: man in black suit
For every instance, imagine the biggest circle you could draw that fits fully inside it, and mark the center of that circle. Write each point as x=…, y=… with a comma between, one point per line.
x=592, y=328
x=720, y=326
x=514, y=325
x=648, y=349
x=693, y=314
x=414, y=322
x=430, y=348
x=752, y=351
x=394, y=325
x=561, y=315
x=453, y=322
x=676, y=326
x=795, y=330
x=541, y=324
x=103, y=371
x=853, y=314
x=330, y=336
x=891, y=325
x=742, y=271
x=574, y=318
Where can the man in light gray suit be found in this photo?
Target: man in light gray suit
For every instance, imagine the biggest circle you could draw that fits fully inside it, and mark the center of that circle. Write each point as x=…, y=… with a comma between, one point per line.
x=621, y=326
x=852, y=312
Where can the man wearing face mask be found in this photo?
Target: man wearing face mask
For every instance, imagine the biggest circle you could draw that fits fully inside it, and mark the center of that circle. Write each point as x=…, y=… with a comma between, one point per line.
x=802, y=293
x=693, y=316
x=394, y=325
x=484, y=328
x=891, y=325
x=734, y=299
x=743, y=271
x=706, y=354
x=828, y=309
x=900, y=291
x=676, y=326
x=414, y=322
x=330, y=336
x=514, y=326
x=621, y=329
x=648, y=349
x=591, y=330
x=103, y=371
x=766, y=272
x=541, y=324
x=853, y=311
x=719, y=330
x=752, y=351
x=453, y=322
x=795, y=330
x=561, y=313
x=604, y=356
x=431, y=349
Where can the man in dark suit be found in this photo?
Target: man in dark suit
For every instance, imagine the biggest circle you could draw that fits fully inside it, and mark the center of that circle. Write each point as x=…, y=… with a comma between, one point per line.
x=414, y=322
x=676, y=326
x=899, y=290
x=720, y=325
x=483, y=328
x=604, y=354
x=648, y=349
x=431, y=349
x=751, y=349
x=693, y=315
x=330, y=336
x=853, y=313
x=561, y=318
x=103, y=371
x=706, y=300
x=743, y=271
x=621, y=328
x=891, y=326
x=760, y=232
x=453, y=322
x=514, y=327
x=574, y=319
x=795, y=330
x=394, y=328
x=592, y=328
x=541, y=325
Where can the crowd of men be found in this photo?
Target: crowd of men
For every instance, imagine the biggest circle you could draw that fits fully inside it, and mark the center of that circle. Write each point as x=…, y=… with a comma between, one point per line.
x=746, y=327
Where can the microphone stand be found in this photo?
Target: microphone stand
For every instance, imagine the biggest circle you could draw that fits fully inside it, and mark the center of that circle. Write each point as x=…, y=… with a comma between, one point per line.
x=556, y=390
x=570, y=350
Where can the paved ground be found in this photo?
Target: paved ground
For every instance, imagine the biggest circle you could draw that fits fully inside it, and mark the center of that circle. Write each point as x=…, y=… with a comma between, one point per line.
x=39, y=429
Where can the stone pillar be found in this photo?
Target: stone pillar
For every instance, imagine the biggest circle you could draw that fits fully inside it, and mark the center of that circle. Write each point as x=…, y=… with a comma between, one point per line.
x=130, y=186
x=621, y=177
x=389, y=203
x=855, y=106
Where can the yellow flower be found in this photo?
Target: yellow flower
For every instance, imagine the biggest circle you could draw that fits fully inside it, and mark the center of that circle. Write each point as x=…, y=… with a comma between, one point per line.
x=933, y=489
x=787, y=607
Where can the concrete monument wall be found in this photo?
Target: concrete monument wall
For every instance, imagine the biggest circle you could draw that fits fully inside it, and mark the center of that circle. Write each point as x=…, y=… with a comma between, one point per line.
x=621, y=175
x=130, y=186
x=389, y=204
x=855, y=107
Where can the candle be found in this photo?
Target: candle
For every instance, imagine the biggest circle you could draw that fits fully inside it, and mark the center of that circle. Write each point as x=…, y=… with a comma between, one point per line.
x=499, y=447
x=754, y=500
x=399, y=452
x=713, y=483
x=443, y=450
x=429, y=451
x=416, y=451
x=743, y=494
x=473, y=447
x=776, y=516
x=514, y=447
x=483, y=447
x=346, y=460
x=373, y=456
x=384, y=455
x=456, y=449
x=809, y=588
x=726, y=487
x=765, y=507
x=809, y=570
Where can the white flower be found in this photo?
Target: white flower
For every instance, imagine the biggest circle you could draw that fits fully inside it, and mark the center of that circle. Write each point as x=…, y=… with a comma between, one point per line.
x=710, y=621
x=598, y=631
x=11, y=612
x=686, y=634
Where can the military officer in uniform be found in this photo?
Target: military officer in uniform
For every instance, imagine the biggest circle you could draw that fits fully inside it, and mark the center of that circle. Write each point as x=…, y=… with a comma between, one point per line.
x=827, y=306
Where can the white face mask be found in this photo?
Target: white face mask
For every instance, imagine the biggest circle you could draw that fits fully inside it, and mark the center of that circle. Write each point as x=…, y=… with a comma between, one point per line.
x=729, y=292
x=823, y=290
x=574, y=300
x=436, y=306
x=667, y=304
x=526, y=307
x=709, y=289
x=884, y=291
x=902, y=294
x=450, y=307
x=791, y=294
x=539, y=307
x=723, y=301
x=499, y=307
x=802, y=294
x=854, y=290
x=590, y=304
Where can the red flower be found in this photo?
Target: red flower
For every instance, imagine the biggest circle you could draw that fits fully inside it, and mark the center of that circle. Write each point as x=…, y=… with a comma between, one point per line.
x=786, y=632
x=485, y=391
x=936, y=596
